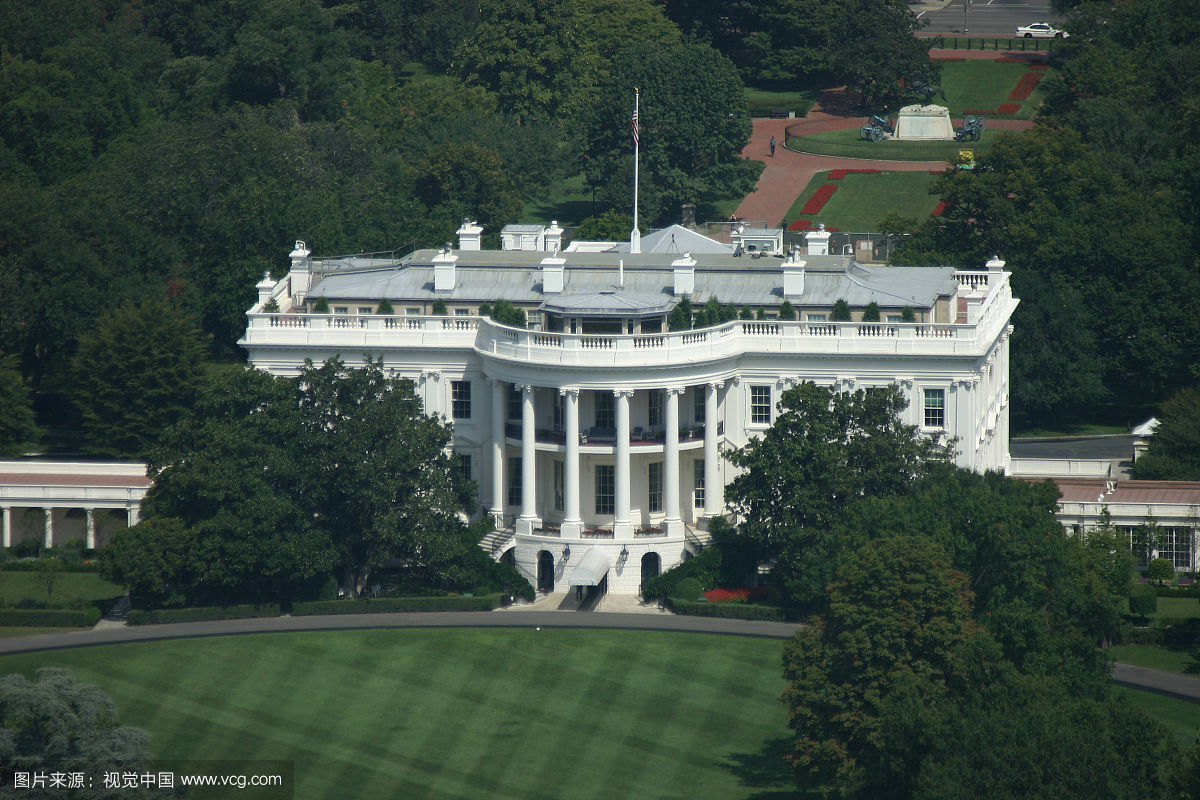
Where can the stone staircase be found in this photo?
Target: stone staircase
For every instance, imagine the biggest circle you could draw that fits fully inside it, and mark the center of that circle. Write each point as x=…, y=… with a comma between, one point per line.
x=696, y=538
x=496, y=542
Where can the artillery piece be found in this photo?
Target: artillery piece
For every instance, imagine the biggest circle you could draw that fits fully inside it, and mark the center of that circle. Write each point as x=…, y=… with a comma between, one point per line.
x=972, y=128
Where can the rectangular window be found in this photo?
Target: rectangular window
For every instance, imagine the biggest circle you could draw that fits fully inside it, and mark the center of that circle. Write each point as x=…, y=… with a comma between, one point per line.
x=760, y=405
x=699, y=404
x=460, y=394
x=365, y=310
x=412, y=312
x=894, y=318
x=464, y=465
x=655, y=483
x=935, y=408
x=817, y=317
x=341, y=309
x=605, y=493
x=514, y=480
x=462, y=312
x=698, y=484
x=654, y=409
x=1138, y=543
x=559, y=482
x=514, y=403
x=605, y=415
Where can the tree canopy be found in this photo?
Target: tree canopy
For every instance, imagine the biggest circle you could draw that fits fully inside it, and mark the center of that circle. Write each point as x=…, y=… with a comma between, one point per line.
x=1174, y=450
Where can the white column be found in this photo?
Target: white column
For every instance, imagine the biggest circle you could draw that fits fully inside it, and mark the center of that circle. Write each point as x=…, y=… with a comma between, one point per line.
x=674, y=522
x=133, y=515
x=622, y=523
x=6, y=526
x=90, y=541
x=528, y=519
x=49, y=540
x=714, y=489
x=572, y=524
x=498, y=435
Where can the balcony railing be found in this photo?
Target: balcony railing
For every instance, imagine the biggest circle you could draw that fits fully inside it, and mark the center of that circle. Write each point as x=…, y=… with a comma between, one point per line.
x=990, y=294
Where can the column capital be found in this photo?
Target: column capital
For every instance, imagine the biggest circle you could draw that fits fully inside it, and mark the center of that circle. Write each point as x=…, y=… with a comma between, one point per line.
x=716, y=385
x=907, y=383
x=526, y=388
x=571, y=391
x=619, y=393
x=431, y=373
x=675, y=390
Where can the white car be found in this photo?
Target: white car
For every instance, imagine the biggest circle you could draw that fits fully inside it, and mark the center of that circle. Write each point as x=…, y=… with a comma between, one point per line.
x=1041, y=30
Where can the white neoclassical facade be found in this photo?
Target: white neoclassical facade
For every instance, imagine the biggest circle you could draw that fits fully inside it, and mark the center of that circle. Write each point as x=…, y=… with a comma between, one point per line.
x=54, y=502
x=595, y=432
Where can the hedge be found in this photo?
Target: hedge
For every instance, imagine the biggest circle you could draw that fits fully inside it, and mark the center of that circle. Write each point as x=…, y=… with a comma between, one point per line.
x=49, y=617
x=383, y=605
x=1178, y=591
x=27, y=565
x=161, y=616
x=729, y=610
x=1184, y=632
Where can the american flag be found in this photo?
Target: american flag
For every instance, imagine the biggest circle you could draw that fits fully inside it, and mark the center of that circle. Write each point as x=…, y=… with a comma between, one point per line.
x=635, y=125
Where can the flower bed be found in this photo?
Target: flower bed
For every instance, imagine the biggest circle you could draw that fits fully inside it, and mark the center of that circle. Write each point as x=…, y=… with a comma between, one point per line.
x=948, y=58
x=838, y=174
x=800, y=225
x=1025, y=86
x=818, y=200
x=941, y=206
x=727, y=595
x=1005, y=108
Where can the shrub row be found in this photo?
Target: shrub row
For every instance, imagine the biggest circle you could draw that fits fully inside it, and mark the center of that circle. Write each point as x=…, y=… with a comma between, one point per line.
x=728, y=610
x=383, y=605
x=50, y=617
x=1170, y=631
x=164, y=615
x=1178, y=591
x=26, y=565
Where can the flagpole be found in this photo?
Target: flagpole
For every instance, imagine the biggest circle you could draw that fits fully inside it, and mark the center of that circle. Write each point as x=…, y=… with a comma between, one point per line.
x=635, y=236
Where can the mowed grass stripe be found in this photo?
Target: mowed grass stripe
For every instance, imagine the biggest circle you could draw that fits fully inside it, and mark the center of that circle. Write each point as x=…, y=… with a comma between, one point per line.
x=424, y=713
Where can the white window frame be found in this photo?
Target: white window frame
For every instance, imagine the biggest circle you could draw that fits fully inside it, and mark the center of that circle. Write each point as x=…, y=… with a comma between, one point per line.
x=756, y=415
x=926, y=408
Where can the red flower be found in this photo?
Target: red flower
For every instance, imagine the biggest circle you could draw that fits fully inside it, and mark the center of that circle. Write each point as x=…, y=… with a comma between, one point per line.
x=937, y=212
x=818, y=200
x=800, y=225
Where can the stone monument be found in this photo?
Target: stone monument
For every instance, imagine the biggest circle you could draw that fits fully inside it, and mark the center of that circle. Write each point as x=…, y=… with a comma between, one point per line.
x=924, y=122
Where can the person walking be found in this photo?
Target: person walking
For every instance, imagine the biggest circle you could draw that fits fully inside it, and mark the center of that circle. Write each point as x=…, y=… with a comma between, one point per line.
x=772, y=147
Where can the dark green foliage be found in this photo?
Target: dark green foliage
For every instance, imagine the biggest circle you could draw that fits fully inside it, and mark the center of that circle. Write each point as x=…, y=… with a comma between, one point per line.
x=761, y=313
x=871, y=312
x=1160, y=571
x=320, y=305
x=908, y=314
x=745, y=313
x=680, y=318
x=439, y=308
x=136, y=374
x=1174, y=452
x=1143, y=600
x=728, y=610
x=17, y=428
x=687, y=589
x=704, y=568
x=506, y=313
x=162, y=616
x=787, y=311
x=385, y=307
x=49, y=617
x=384, y=605
x=613, y=225
x=156, y=560
x=841, y=312
x=825, y=451
x=55, y=724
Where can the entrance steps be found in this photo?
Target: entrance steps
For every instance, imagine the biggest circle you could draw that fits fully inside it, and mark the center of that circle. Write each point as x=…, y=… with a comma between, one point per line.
x=496, y=542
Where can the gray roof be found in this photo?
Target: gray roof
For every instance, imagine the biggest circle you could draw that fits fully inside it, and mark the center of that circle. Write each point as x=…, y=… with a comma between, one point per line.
x=612, y=302
x=516, y=276
x=677, y=240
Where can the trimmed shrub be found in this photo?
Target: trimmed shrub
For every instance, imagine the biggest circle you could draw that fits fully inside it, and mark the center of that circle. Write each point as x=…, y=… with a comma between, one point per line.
x=1178, y=591
x=49, y=617
x=1180, y=631
x=162, y=616
x=1161, y=571
x=728, y=611
x=688, y=589
x=384, y=605
x=1143, y=636
x=31, y=565
x=841, y=312
x=705, y=568
x=1143, y=601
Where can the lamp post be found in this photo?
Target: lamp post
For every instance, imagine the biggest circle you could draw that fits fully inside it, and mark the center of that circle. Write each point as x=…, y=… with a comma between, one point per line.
x=966, y=5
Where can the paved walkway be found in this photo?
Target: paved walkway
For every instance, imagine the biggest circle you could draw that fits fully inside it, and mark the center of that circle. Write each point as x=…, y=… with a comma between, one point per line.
x=787, y=173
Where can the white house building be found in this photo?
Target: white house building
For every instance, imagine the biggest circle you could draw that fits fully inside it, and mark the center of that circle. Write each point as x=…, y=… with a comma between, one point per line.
x=595, y=432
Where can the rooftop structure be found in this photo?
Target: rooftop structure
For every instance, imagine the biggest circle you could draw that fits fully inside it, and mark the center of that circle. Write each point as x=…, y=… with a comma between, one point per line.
x=596, y=430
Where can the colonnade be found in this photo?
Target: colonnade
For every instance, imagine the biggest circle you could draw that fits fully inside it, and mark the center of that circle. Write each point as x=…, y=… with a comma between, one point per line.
x=623, y=524
x=7, y=529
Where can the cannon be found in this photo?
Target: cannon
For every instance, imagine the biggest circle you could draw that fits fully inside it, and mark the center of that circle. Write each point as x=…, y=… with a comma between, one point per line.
x=881, y=122
x=972, y=128
x=872, y=133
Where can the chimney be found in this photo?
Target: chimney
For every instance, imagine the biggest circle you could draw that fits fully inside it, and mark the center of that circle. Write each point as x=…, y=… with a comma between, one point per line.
x=552, y=275
x=685, y=274
x=735, y=235
x=443, y=270
x=996, y=264
x=818, y=241
x=266, y=288
x=301, y=275
x=793, y=274
x=469, y=235
x=553, y=237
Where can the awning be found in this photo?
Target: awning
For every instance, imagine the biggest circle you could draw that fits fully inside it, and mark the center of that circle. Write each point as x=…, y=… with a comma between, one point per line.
x=592, y=568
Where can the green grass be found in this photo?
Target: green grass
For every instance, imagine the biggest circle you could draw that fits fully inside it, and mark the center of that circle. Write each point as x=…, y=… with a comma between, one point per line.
x=847, y=144
x=1179, y=716
x=1070, y=429
x=71, y=586
x=861, y=201
x=763, y=101
x=570, y=203
x=1177, y=608
x=1169, y=658
x=985, y=86
x=461, y=713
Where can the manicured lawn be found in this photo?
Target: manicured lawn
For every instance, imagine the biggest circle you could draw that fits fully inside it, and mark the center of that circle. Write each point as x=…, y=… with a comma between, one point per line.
x=71, y=586
x=763, y=101
x=848, y=144
x=1170, y=658
x=570, y=203
x=985, y=86
x=862, y=200
x=7, y=632
x=462, y=713
x=1181, y=717
x=1072, y=429
x=1177, y=608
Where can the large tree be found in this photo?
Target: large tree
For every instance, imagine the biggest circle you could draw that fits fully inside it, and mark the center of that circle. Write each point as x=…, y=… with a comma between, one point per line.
x=693, y=124
x=17, y=428
x=1174, y=451
x=825, y=451
x=136, y=373
x=55, y=725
